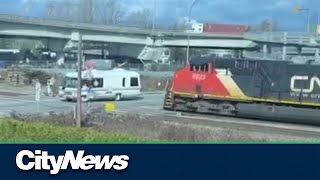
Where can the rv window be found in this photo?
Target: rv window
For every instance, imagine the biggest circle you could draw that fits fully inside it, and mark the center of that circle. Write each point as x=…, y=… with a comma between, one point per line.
x=134, y=82
x=124, y=82
x=70, y=82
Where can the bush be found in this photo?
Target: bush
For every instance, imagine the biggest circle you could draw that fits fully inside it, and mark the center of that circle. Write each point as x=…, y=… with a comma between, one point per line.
x=41, y=75
x=160, y=128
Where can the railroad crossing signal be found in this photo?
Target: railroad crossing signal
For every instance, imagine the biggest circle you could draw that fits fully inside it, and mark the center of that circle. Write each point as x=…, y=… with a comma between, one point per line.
x=38, y=91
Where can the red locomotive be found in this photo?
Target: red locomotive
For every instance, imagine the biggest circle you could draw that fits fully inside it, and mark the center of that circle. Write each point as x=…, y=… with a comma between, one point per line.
x=275, y=90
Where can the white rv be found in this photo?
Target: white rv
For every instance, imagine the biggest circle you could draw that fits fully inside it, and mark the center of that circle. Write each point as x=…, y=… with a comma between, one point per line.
x=113, y=84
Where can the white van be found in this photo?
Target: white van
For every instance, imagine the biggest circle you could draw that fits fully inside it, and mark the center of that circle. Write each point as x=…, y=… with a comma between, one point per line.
x=113, y=84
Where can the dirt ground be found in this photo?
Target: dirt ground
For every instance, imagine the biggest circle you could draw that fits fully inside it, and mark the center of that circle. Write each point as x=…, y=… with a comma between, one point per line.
x=164, y=129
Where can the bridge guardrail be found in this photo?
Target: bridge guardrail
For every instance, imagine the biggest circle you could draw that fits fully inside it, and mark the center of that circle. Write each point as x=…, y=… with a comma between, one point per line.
x=261, y=55
x=277, y=56
x=269, y=37
x=283, y=37
x=132, y=29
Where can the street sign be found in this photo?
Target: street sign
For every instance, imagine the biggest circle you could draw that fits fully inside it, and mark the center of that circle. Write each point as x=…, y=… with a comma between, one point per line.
x=110, y=107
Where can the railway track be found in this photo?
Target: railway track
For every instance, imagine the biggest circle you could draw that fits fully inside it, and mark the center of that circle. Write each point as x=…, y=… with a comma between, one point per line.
x=241, y=124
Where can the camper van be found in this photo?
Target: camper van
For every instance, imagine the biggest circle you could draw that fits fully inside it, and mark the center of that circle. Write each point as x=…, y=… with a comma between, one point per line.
x=113, y=84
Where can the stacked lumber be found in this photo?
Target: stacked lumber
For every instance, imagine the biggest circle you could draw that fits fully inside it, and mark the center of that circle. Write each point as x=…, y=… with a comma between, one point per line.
x=17, y=78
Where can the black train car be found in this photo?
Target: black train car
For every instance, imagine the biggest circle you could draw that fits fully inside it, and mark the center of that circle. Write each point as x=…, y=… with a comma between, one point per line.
x=275, y=90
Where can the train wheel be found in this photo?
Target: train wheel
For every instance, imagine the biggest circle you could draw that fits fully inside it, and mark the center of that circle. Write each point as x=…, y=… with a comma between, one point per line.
x=227, y=109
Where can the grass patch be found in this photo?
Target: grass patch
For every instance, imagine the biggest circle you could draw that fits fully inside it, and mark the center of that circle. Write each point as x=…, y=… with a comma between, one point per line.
x=12, y=131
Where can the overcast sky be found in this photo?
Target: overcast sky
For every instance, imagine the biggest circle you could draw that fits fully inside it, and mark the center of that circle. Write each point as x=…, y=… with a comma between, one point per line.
x=249, y=12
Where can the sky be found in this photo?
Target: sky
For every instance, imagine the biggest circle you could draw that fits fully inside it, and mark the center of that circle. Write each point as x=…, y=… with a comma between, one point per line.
x=249, y=12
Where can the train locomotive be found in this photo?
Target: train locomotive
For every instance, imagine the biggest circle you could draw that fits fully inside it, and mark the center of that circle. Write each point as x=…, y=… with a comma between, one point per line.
x=251, y=88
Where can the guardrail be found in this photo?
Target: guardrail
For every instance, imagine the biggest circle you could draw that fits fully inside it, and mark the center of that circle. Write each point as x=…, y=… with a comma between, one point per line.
x=283, y=37
x=277, y=56
x=292, y=37
x=261, y=55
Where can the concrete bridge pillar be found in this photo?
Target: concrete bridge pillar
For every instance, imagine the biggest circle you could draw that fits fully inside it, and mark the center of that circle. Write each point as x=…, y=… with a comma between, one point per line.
x=154, y=41
x=284, y=47
x=284, y=52
x=265, y=50
x=299, y=49
x=317, y=54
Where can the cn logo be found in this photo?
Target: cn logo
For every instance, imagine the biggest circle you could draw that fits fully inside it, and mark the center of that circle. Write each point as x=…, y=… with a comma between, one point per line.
x=313, y=81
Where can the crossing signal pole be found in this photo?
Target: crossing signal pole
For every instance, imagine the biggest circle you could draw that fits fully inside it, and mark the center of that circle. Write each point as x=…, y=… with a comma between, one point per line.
x=80, y=57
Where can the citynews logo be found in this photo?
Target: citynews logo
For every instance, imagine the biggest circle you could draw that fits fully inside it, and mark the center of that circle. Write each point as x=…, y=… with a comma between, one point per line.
x=40, y=160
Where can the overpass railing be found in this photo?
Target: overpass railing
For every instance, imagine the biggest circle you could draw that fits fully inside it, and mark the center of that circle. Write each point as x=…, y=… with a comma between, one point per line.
x=295, y=38
x=102, y=27
x=277, y=56
x=261, y=55
x=282, y=37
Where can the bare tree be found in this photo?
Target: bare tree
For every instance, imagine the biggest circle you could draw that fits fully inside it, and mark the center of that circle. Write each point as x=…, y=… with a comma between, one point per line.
x=181, y=24
x=276, y=26
x=86, y=13
x=63, y=10
x=268, y=26
x=108, y=11
x=141, y=18
x=27, y=5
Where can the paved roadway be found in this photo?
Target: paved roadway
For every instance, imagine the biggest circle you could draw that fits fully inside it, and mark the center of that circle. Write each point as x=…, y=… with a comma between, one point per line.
x=149, y=105
x=25, y=103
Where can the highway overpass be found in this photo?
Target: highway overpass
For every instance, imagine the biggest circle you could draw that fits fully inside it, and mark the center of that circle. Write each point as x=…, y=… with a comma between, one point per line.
x=38, y=28
x=15, y=26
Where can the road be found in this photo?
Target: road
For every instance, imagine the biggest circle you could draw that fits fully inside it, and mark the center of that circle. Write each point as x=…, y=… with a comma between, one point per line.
x=151, y=105
x=25, y=103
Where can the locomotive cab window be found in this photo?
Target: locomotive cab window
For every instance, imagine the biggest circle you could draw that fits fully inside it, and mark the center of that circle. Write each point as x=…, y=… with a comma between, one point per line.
x=199, y=68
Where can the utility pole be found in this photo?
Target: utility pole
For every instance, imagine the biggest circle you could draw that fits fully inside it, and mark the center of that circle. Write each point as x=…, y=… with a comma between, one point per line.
x=309, y=16
x=79, y=101
x=154, y=15
x=188, y=38
x=298, y=9
x=317, y=27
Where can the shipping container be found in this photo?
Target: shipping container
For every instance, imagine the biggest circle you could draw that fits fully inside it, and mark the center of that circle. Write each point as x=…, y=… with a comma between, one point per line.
x=225, y=28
